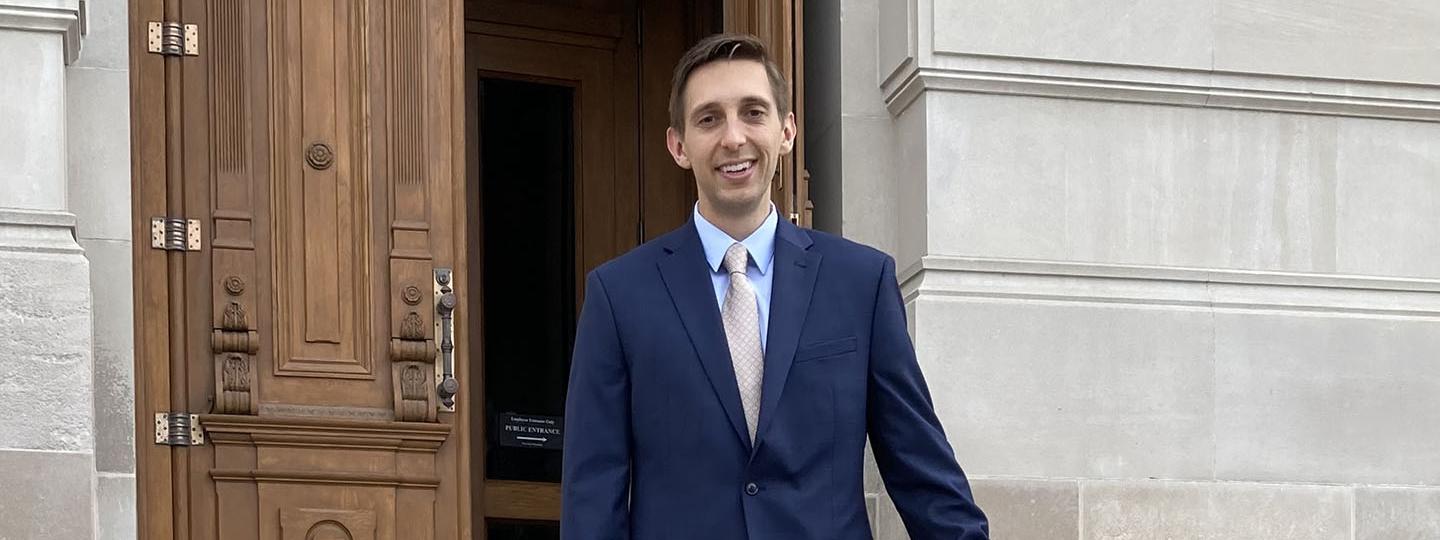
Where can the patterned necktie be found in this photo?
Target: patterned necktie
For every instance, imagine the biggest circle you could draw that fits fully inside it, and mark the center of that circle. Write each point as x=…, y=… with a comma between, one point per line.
x=741, y=314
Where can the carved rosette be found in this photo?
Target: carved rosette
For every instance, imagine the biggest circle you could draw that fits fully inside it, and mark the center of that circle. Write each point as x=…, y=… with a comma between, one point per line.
x=235, y=345
x=412, y=356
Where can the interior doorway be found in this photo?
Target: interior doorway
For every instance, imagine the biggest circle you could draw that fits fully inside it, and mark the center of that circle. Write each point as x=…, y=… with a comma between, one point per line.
x=567, y=105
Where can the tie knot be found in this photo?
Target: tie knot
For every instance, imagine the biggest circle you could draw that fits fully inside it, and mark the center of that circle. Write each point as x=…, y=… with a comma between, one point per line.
x=736, y=257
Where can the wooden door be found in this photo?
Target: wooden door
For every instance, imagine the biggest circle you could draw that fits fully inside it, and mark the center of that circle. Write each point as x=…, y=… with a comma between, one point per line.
x=316, y=146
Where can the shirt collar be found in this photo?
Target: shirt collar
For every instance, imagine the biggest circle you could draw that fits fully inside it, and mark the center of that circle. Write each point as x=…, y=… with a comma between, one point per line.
x=760, y=244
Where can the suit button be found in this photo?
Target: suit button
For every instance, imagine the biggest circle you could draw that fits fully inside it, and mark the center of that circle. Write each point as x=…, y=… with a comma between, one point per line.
x=751, y=489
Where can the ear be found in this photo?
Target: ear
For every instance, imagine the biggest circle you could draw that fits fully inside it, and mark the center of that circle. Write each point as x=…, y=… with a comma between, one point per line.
x=787, y=132
x=676, y=146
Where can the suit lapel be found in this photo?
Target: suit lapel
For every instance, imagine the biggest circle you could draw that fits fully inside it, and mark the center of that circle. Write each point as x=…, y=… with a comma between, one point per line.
x=687, y=278
x=795, y=269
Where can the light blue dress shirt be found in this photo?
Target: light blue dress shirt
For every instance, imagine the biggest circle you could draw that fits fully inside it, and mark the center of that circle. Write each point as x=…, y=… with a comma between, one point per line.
x=760, y=244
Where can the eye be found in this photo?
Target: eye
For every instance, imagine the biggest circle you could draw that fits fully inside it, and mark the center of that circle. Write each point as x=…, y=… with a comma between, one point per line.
x=755, y=113
x=705, y=120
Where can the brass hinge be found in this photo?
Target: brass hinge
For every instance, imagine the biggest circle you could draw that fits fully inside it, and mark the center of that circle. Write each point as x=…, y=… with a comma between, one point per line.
x=175, y=234
x=174, y=39
x=178, y=429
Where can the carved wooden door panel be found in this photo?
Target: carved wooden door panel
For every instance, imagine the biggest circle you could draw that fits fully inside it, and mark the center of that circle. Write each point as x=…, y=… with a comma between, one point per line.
x=318, y=147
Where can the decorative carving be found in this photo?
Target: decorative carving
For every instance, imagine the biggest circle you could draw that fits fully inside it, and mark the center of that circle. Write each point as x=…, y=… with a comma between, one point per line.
x=413, y=383
x=411, y=295
x=233, y=373
x=412, y=345
x=321, y=523
x=412, y=328
x=414, y=400
x=411, y=354
x=319, y=156
x=234, y=285
x=234, y=319
x=328, y=530
x=234, y=345
x=236, y=373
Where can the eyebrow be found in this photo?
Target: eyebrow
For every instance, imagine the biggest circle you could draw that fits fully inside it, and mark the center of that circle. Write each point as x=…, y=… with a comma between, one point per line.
x=745, y=101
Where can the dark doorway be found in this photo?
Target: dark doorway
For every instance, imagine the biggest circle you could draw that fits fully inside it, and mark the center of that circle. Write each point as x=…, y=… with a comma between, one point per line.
x=527, y=172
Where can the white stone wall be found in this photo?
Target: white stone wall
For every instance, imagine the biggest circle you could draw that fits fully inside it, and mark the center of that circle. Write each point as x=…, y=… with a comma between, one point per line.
x=1174, y=266
x=66, y=362
x=47, y=438
x=98, y=129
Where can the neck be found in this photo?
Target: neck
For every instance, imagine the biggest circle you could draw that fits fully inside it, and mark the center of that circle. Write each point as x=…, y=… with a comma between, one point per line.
x=738, y=226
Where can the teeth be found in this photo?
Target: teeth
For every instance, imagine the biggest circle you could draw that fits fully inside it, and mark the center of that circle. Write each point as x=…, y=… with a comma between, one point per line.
x=736, y=167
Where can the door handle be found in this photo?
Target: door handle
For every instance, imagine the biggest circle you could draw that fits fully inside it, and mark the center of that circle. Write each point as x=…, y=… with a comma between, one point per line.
x=445, y=301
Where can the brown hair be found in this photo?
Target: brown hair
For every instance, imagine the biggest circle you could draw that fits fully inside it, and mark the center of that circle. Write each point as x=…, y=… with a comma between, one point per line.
x=724, y=47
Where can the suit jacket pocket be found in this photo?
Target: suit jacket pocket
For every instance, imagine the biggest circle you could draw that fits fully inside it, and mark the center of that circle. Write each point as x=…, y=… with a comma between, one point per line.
x=824, y=349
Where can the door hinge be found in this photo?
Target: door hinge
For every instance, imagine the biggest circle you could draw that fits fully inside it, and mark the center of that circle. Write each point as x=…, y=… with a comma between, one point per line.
x=174, y=39
x=175, y=234
x=178, y=429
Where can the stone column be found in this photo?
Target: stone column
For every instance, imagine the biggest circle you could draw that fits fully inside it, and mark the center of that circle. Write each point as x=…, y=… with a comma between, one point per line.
x=46, y=433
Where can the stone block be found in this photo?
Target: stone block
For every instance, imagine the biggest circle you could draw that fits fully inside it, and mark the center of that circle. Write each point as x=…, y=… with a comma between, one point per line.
x=898, y=35
x=1386, y=41
x=1036, y=388
x=1020, y=509
x=115, y=499
x=1337, y=398
x=1397, y=513
x=99, y=157
x=873, y=482
x=870, y=504
x=107, y=35
x=32, y=135
x=1170, y=33
x=1387, y=202
x=887, y=523
x=860, y=93
x=45, y=358
x=1049, y=179
x=909, y=175
x=1144, y=510
x=46, y=495
x=869, y=189
x=114, y=322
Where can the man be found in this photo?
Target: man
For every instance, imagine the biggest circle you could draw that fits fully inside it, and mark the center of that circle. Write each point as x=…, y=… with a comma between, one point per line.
x=726, y=374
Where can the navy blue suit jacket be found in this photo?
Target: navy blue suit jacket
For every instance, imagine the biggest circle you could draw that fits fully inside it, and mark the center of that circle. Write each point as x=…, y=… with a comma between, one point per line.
x=656, y=444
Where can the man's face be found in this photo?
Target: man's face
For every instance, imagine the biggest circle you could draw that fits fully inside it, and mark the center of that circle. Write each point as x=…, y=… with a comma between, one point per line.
x=733, y=137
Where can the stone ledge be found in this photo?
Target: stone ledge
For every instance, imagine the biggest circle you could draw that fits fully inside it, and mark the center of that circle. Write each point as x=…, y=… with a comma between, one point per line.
x=1043, y=77
x=1196, y=288
x=38, y=231
x=66, y=17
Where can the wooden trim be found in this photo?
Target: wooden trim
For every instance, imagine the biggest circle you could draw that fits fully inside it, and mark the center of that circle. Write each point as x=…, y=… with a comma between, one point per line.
x=324, y=429
x=460, y=450
x=322, y=477
x=152, y=350
x=522, y=500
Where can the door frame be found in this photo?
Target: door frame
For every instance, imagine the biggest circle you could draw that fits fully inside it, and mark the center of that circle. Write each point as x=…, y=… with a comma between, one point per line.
x=162, y=333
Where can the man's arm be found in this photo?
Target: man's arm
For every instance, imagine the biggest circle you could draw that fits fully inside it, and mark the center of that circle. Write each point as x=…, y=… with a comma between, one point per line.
x=915, y=460
x=595, y=478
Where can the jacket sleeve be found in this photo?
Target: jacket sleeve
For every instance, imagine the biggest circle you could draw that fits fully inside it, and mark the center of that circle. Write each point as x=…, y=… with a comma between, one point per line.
x=595, y=472
x=915, y=460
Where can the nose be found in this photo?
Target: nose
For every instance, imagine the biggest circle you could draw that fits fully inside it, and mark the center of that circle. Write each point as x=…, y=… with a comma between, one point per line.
x=734, y=136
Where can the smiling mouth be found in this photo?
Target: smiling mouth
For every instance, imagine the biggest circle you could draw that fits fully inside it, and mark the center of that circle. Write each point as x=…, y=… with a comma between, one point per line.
x=737, y=169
